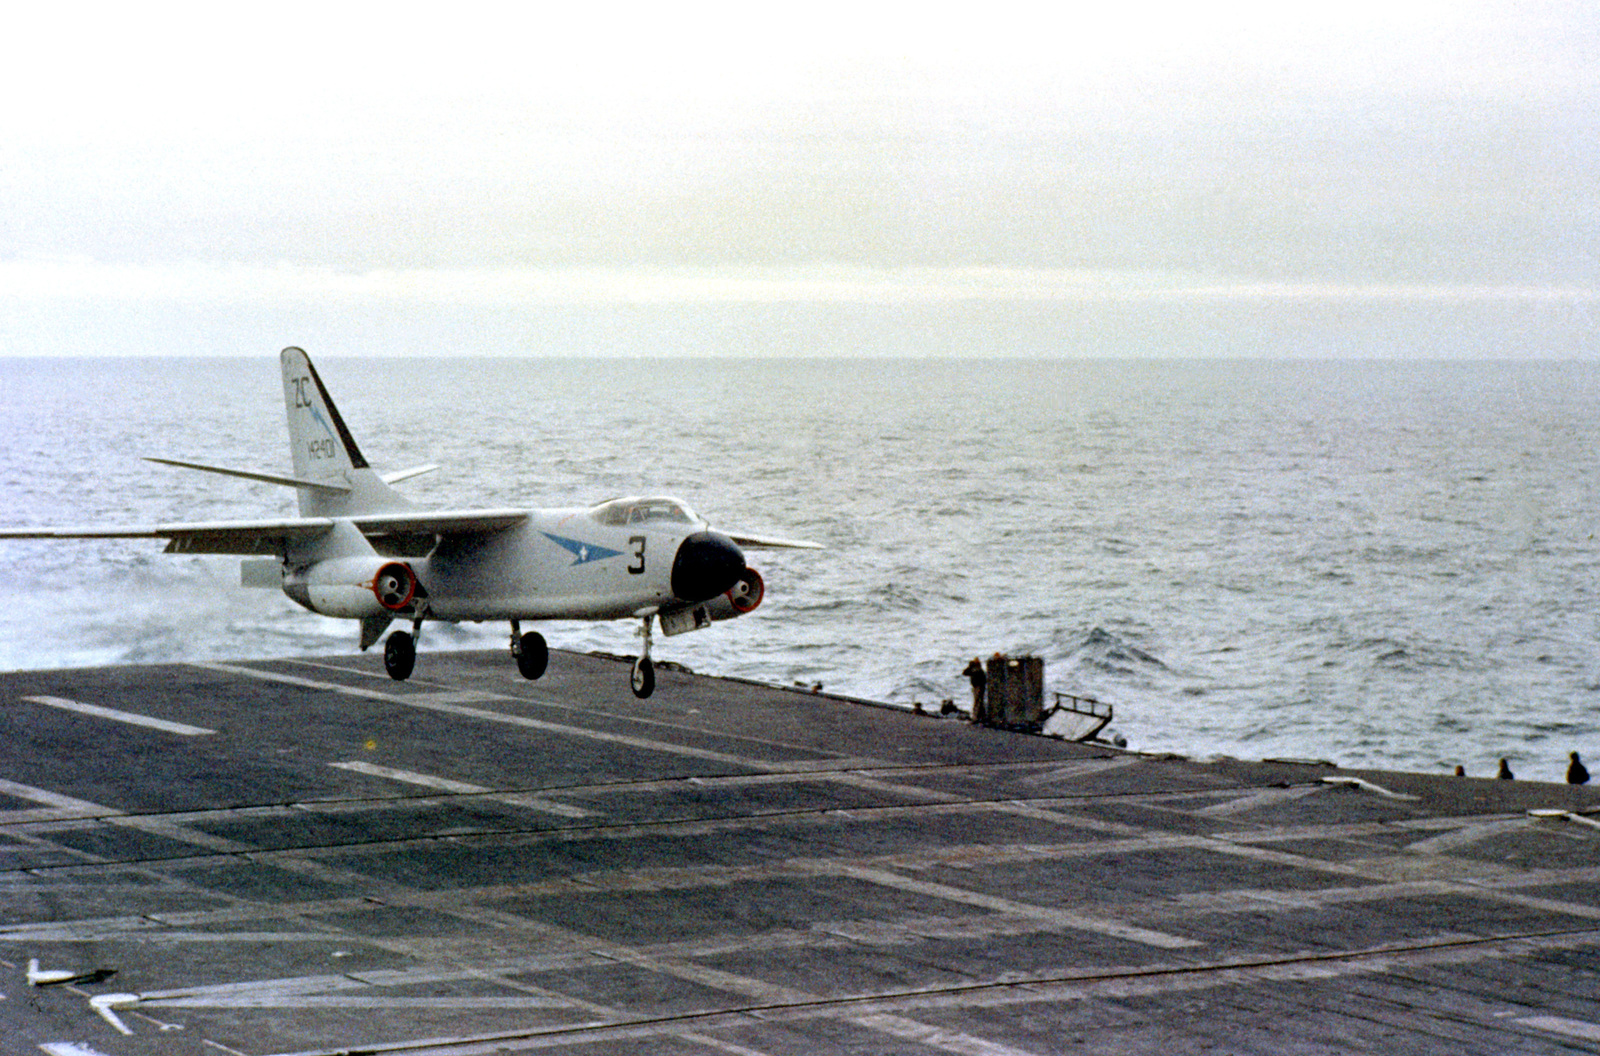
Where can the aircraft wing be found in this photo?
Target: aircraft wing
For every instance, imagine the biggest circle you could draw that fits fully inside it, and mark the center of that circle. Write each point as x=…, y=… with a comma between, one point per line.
x=768, y=542
x=270, y=537
x=205, y=537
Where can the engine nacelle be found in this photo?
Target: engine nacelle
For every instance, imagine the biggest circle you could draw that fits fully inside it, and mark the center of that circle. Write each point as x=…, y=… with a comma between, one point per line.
x=355, y=587
x=743, y=597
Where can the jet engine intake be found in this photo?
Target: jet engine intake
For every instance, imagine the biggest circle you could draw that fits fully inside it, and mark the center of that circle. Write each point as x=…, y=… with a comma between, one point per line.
x=395, y=586
x=741, y=598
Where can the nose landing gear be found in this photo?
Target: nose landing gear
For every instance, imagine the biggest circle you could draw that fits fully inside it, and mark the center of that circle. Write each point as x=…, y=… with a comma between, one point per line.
x=644, y=669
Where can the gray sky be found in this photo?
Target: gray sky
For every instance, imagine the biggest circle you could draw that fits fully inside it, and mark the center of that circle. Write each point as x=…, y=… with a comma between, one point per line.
x=527, y=153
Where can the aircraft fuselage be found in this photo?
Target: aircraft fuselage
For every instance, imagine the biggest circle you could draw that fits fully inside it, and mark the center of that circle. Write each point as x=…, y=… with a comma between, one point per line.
x=557, y=564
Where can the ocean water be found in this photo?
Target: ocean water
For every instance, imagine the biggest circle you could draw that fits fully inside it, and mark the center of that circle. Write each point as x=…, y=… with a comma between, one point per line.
x=1376, y=563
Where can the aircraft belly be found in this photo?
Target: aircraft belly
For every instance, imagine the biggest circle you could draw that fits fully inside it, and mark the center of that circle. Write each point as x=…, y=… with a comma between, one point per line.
x=536, y=607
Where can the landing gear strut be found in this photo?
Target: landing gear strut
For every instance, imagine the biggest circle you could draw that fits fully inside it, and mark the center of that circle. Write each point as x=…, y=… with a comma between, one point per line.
x=531, y=652
x=644, y=669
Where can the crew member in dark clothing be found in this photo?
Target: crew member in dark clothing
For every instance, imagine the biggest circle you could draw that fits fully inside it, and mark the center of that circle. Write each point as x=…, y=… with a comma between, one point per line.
x=1577, y=773
x=974, y=673
x=1505, y=773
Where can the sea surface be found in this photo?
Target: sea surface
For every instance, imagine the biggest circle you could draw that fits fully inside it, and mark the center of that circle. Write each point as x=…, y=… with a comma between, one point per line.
x=1376, y=563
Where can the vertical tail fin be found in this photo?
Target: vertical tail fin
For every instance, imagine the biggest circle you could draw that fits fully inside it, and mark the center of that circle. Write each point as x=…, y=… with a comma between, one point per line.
x=323, y=449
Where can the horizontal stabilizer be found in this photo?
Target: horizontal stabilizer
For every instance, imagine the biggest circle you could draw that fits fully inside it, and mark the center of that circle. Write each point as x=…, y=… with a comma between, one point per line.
x=265, y=478
x=396, y=476
x=767, y=542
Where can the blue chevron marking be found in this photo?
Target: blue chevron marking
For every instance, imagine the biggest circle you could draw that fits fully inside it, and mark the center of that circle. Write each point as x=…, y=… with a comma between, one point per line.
x=584, y=552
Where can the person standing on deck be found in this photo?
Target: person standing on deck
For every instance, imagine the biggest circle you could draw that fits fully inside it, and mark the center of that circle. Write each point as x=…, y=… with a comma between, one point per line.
x=979, y=680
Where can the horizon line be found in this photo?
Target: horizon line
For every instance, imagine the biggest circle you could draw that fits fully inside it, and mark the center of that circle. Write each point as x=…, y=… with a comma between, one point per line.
x=70, y=279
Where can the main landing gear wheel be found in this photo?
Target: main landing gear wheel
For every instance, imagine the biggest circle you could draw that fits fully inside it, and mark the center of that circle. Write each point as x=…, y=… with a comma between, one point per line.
x=400, y=655
x=644, y=677
x=532, y=654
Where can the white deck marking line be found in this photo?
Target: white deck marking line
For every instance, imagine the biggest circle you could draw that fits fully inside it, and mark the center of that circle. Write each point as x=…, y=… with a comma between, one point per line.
x=445, y=784
x=158, y=826
x=58, y=807
x=1365, y=786
x=307, y=683
x=1081, y=768
x=642, y=743
x=104, y=1004
x=546, y=700
x=1572, y=1028
x=1249, y=800
x=410, y=777
x=65, y=808
x=182, y=729
x=69, y=1048
x=300, y=1001
x=1564, y=815
x=1063, y=917
x=1467, y=835
x=936, y=1037
x=719, y=1044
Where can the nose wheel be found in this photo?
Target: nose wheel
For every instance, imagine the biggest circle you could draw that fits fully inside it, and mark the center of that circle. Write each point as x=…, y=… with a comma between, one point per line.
x=644, y=677
x=644, y=669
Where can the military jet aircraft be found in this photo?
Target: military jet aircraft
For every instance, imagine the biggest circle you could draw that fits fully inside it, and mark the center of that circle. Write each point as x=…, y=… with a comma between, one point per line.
x=360, y=550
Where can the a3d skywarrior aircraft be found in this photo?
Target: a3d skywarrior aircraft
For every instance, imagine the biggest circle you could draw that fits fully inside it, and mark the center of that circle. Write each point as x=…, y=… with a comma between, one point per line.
x=359, y=550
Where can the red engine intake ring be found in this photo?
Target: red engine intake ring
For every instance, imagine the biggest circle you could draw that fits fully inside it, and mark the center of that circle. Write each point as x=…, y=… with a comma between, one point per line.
x=395, y=586
x=746, y=594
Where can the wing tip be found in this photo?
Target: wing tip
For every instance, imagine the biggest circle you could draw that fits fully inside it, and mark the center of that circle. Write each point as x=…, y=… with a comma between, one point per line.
x=767, y=542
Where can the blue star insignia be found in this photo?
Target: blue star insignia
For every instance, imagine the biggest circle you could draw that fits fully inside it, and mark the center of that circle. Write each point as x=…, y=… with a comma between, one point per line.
x=584, y=552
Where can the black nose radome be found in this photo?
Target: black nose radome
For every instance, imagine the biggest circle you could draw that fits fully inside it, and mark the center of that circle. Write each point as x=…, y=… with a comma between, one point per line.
x=708, y=563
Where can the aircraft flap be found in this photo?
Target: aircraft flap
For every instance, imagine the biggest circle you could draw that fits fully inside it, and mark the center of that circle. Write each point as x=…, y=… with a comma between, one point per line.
x=439, y=522
x=239, y=537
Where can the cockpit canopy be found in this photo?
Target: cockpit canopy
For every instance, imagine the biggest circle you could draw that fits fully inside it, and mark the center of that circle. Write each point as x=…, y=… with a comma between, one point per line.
x=653, y=510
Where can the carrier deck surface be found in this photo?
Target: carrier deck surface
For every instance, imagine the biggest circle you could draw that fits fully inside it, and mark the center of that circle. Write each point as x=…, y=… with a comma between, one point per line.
x=301, y=856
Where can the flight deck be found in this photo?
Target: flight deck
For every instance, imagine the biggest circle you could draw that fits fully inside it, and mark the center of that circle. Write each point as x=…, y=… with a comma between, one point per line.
x=304, y=856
